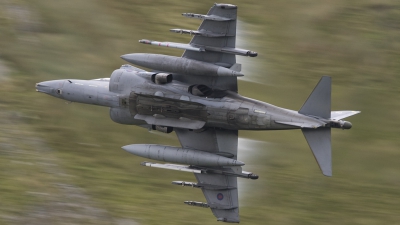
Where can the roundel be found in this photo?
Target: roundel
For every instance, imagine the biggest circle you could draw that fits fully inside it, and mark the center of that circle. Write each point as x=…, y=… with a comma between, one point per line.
x=220, y=196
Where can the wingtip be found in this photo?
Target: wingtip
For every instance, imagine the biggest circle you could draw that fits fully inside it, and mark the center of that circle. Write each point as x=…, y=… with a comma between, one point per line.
x=327, y=173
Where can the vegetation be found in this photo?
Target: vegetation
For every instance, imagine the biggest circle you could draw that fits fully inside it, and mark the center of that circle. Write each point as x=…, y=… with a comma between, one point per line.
x=355, y=42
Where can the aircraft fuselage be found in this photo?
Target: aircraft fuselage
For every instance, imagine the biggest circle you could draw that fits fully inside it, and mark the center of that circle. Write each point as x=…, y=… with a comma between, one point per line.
x=135, y=99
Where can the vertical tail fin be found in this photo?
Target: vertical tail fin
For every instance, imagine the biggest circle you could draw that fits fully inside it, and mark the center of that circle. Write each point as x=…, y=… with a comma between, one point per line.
x=319, y=141
x=319, y=101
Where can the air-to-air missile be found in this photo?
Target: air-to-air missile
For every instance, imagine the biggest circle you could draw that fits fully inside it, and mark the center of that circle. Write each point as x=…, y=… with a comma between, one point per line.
x=200, y=48
x=180, y=155
x=178, y=65
x=198, y=204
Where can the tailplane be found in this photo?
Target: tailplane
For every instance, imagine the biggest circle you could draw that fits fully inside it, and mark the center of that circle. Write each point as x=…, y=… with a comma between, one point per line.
x=338, y=115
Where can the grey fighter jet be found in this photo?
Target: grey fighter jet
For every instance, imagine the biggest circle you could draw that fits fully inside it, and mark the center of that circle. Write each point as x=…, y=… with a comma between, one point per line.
x=196, y=96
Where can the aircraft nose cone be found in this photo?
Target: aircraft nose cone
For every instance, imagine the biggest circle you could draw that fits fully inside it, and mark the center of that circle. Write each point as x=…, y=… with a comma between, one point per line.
x=43, y=87
x=50, y=87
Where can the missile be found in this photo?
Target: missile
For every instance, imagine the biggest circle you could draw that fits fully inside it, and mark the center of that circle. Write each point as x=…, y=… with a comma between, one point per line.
x=199, y=169
x=187, y=184
x=206, y=17
x=202, y=32
x=202, y=185
x=180, y=155
x=171, y=45
x=179, y=65
x=201, y=48
x=198, y=204
x=176, y=167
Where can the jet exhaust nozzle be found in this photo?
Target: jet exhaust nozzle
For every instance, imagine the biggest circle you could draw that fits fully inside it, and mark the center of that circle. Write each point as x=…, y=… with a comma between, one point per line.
x=346, y=125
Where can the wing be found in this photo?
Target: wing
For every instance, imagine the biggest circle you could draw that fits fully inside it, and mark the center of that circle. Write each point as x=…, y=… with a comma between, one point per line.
x=214, y=43
x=227, y=30
x=219, y=190
x=218, y=141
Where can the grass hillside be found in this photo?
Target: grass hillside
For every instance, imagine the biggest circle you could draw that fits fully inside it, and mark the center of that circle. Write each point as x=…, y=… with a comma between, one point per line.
x=62, y=163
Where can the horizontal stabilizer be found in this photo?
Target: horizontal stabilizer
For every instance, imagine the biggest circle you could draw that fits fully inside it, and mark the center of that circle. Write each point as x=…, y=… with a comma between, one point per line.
x=319, y=101
x=338, y=115
x=319, y=141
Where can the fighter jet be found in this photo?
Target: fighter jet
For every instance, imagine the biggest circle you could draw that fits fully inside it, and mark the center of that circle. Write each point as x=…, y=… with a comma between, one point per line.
x=196, y=96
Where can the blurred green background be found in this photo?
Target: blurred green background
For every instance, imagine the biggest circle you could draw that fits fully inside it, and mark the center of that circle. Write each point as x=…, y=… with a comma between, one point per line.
x=62, y=163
